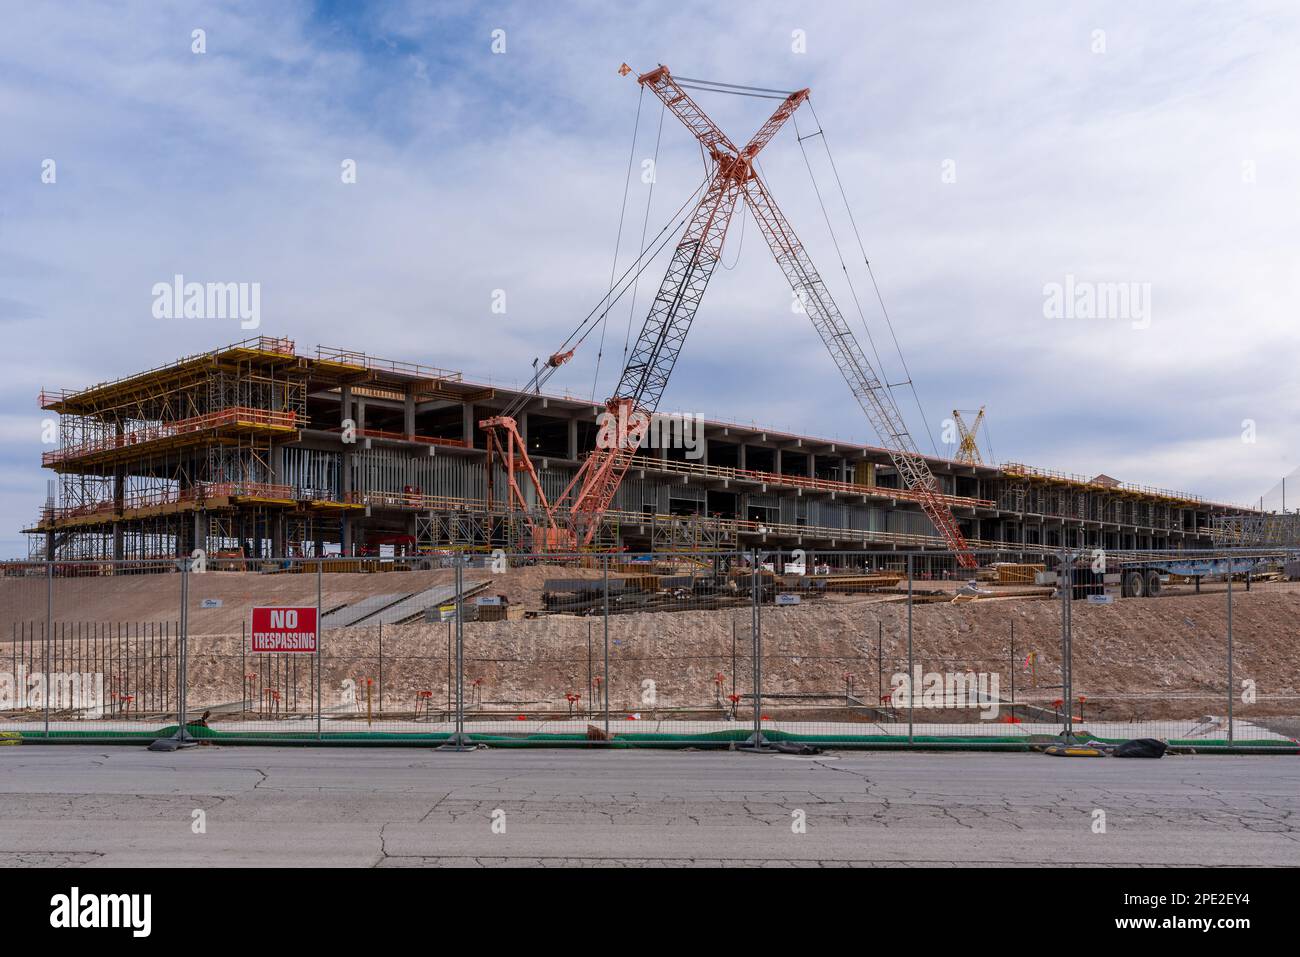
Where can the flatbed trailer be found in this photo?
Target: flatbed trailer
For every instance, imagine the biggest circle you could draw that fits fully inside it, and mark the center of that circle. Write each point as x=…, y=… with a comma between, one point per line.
x=1135, y=575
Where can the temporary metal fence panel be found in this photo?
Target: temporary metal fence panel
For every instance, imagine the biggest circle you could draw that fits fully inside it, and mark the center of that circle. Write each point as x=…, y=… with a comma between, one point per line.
x=88, y=647
x=893, y=648
x=391, y=671
x=232, y=688
x=866, y=648
x=680, y=642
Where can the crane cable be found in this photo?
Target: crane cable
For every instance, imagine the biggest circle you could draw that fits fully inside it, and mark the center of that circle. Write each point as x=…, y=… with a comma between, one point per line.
x=662, y=241
x=578, y=335
x=645, y=222
x=871, y=340
x=715, y=86
x=870, y=272
x=618, y=239
x=988, y=441
x=736, y=89
x=789, y=247
x=740, y=243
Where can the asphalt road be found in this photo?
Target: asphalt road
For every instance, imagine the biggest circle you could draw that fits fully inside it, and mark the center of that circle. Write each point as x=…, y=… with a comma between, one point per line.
x=405, y=807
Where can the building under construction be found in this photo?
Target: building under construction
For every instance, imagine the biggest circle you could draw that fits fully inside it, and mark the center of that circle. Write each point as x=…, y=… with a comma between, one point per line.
x=258, y=450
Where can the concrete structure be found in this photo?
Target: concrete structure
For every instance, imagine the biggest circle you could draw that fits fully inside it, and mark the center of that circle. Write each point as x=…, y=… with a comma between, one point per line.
x=259, y=450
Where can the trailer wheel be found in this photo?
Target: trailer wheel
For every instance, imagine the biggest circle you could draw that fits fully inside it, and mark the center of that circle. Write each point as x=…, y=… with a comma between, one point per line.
x=1153, y=584
x=1134, y=585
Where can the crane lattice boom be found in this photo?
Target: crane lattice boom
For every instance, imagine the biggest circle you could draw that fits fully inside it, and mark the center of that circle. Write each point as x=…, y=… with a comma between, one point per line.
x=651, y=361
x=871, y=393
x=574, y=517
x=968, y=449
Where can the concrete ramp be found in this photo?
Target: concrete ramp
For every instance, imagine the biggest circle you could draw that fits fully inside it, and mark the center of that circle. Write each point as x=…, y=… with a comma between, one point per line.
x=354, y=613
x=413, y=607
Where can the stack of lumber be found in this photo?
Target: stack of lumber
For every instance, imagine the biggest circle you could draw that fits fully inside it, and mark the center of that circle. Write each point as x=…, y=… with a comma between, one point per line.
x=1009, y=573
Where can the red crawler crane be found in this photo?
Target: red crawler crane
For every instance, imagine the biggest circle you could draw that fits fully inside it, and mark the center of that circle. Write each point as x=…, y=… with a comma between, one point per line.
x=572, y=520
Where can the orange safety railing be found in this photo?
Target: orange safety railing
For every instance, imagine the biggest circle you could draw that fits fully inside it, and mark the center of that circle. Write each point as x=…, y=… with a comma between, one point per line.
x=206, y=490
x=421, y=502
x=151, y=498
x=797, y=481
x=1029, y=471
x=280, y=345
x=406, y=437
x=203, y=491
x=47, y=397
x=153, y=432
x=416, y=500
x=354, y=358
x=272, y=344
x=49, y=513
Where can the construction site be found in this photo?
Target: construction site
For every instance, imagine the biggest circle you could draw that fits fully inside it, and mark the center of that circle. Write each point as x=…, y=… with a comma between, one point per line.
x=263, y=450
x=449, y=437
x=268, y=473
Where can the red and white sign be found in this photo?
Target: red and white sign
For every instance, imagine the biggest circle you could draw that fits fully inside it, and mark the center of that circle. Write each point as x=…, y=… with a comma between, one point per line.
x=283, y=629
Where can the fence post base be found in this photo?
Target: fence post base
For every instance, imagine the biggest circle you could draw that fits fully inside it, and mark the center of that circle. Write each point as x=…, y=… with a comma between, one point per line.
x=1072, y=738
x=180, y=739
x=457, y=741
x=757, y=744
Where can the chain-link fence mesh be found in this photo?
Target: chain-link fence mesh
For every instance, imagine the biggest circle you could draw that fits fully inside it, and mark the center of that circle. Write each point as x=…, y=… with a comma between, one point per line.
x=715, y=648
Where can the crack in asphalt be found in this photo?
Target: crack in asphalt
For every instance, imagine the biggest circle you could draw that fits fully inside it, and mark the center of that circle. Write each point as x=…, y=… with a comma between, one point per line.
x=606, y=800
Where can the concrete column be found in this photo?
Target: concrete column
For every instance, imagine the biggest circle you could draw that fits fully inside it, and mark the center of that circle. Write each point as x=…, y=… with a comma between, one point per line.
x=200, y=531
x=778, y=463
x=467, y=423
x=345, y=403
x=345, y=466
x=740, y=457
x=408, y=418
x=119, y=501
x=361, y=414
x=573, y=438
x=812, y=465
x=346, y=534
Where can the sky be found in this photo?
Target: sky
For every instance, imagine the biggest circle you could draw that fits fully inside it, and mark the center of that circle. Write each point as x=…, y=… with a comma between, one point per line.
x=992, y=157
